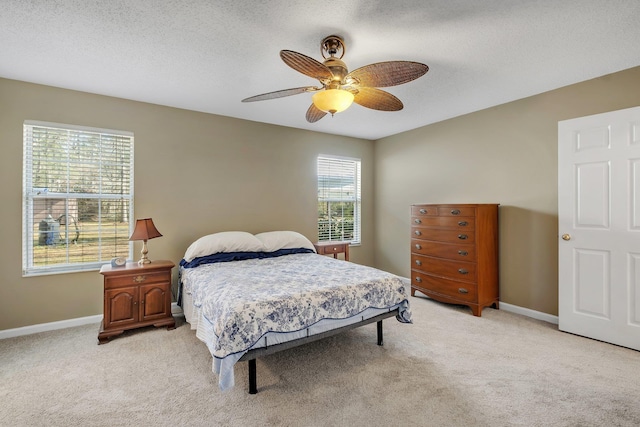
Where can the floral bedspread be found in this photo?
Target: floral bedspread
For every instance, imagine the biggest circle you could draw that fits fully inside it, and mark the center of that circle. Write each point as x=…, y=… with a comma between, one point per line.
x=244, y=300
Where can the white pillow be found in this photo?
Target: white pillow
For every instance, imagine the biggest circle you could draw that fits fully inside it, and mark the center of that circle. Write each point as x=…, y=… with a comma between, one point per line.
x=225, y=241
x=275, y=240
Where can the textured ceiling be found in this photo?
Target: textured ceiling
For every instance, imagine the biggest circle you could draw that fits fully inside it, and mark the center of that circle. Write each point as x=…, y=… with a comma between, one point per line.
x=207, y=55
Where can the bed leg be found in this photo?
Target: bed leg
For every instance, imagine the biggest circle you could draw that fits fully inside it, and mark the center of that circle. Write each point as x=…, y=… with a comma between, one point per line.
x=253, y=388
x=379, y=332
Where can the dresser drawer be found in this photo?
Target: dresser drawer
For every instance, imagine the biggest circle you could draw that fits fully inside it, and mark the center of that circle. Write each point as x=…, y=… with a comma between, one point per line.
x=449, y=222
x=459, y=290
x=438, y=235
x=425, y=210
x=137, y=279
x=456, y=270
x=444, y=250
x=456, y=211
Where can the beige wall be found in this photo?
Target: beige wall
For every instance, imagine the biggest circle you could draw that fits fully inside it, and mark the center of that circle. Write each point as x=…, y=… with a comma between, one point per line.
x=194, y=174
x=199, y=173
x=507, y=155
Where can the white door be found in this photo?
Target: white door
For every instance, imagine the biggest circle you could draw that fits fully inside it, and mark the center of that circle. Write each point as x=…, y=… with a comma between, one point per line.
x=599, y=226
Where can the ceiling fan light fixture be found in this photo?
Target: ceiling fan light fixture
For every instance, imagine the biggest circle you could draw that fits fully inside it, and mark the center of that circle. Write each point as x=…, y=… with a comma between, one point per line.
x=332, y=100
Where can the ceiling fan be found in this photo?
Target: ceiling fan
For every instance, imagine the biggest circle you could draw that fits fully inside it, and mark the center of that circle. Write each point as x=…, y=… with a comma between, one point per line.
x=339, y=88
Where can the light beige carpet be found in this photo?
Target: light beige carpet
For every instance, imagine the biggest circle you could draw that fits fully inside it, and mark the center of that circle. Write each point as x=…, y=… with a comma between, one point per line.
x=448, y=368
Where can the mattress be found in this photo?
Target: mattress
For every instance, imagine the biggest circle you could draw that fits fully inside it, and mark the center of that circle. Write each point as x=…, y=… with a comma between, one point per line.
x=242, y=305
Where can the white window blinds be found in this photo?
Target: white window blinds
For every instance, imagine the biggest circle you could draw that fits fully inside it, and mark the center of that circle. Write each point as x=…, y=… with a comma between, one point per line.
x=339, y=199
x=77, y=197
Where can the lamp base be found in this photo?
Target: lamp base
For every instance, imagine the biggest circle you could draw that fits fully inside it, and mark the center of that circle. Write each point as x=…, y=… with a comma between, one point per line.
x=144, y=260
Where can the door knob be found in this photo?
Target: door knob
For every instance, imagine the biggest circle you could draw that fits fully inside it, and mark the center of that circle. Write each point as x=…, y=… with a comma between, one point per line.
x=566, y=237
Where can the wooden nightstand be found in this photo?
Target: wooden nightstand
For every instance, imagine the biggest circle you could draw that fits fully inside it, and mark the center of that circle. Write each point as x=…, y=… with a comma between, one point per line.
x=136, y=296
x=333, y=248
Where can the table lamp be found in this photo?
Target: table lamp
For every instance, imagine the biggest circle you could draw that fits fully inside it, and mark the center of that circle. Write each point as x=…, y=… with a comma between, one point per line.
x=144, y=230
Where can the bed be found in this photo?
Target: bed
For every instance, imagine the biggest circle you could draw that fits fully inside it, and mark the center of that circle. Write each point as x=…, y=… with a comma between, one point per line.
x=247, y=296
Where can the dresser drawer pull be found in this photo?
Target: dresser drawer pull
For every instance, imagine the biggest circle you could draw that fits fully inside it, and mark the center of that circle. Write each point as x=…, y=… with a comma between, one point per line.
x=462, y=271
x=463, y=291
x=423, y=211
x=455, y=212
x=463, y=223
x=417, y=233
x=418, y=279
x=139, y=279
x=418, y=262
x=463, y=253
x=418, y=247
x=417, y=221
x=462, y=236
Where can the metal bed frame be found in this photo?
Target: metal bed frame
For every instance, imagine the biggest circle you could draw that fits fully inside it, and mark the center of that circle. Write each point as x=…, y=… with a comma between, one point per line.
x=252, y=355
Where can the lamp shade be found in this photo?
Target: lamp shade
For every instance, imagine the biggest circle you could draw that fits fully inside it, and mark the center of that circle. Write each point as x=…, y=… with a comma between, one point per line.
x=332, y=100
x=145, y=230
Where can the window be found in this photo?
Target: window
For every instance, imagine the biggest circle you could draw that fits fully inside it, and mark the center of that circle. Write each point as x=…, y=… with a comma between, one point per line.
x=77, y=197
x=339, y=199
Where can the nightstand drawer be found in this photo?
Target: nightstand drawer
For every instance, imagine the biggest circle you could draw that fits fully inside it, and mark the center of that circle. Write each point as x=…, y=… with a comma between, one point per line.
x=333, y=248
x=140, y=278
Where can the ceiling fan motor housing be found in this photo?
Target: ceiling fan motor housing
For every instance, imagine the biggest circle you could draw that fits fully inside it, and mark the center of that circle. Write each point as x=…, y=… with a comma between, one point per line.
x=338, y=68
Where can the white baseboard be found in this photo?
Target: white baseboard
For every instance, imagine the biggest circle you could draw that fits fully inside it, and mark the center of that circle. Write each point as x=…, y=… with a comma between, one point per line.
x=512, y=309
x=176, y=310
x=529, y=313
x=51, y=326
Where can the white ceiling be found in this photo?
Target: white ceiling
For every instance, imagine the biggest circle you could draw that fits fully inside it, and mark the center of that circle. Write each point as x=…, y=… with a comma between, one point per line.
x=207, y=55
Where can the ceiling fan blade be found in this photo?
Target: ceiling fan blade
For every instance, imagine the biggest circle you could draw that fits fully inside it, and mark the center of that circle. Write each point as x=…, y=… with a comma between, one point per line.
x=385, y=74
x=377, y=99
x=306, y=65
x=314, y=114
x=280, y=93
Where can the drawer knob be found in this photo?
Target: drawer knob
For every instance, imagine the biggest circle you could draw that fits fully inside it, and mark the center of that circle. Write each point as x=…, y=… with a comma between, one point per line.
x=418, y=279
x=463, y=271
x=463, y=291
x=139, y=279
x=418, y=247
x=455, y=212
x=418, y=262
x=463, y=253
x=417, y=233
x=463, y=223
x=417, y=221
x=462, y=236
x=423, y=211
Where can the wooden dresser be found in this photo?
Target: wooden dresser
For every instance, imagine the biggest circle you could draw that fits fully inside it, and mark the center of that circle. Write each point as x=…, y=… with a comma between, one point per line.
x=136, y=296
x=454, y=254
